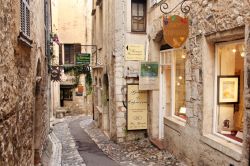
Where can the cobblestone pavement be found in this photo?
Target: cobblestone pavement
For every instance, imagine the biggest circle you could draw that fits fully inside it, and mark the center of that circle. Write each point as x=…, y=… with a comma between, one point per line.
x=69, y=155
x=132, y=153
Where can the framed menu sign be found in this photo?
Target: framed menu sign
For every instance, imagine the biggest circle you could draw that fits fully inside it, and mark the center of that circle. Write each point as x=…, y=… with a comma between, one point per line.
x=137, y=108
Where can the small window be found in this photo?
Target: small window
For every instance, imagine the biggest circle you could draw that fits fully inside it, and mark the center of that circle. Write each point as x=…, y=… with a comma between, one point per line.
x=229, y=81
x=70, y=51
x=138, y=16
x=25, y=17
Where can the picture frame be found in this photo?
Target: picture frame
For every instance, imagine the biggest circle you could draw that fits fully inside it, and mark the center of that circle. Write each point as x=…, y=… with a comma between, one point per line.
x=228, y=89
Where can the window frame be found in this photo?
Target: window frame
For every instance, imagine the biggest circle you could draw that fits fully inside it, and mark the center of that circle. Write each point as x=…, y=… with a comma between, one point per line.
x=144, y=2
x=74, y=45
x=215, y=106
x=172, y=65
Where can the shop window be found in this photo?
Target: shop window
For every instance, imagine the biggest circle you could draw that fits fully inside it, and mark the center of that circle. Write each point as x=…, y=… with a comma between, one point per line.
x=229, y=101
x=70, y=51
x=174, y=86
x=138, y=16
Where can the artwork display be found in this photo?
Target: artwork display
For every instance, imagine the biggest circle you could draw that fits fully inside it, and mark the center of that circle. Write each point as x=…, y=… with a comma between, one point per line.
x=228, y=89
x=149, y=76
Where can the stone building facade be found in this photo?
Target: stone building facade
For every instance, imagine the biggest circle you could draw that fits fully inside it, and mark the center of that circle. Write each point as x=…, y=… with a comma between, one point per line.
x=112, y=33
x=73, y=30
x=24, y=110
x=201, y=138
x=202, y=130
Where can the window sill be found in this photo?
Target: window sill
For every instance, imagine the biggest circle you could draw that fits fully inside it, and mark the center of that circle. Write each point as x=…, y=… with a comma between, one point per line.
x=174, y=123
x=25, y=40
x=232, y=150
x=138, y=33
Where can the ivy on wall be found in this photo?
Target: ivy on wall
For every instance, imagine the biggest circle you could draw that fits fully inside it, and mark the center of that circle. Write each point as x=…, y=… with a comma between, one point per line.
x=77, y=71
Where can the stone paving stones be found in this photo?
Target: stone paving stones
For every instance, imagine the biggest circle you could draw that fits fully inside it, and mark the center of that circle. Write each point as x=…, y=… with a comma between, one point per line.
x=70, y=155
x=131, y=153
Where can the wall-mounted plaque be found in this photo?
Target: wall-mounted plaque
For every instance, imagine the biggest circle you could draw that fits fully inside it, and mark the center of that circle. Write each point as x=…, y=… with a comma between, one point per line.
x=137, y=108
x=135, y=52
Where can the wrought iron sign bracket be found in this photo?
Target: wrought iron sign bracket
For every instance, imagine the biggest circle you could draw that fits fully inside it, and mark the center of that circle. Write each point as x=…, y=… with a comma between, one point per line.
x=184, y=8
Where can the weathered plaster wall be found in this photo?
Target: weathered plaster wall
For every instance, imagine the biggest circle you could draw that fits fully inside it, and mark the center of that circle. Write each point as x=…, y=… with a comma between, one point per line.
x=18, y=69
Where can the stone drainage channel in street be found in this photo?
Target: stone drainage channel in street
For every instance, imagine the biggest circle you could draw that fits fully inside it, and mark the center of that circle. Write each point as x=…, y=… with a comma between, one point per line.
x=83, y=144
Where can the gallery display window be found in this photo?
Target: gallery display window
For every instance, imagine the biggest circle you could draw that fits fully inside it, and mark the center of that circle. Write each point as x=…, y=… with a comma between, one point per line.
x=173, y=66
x=229, y=84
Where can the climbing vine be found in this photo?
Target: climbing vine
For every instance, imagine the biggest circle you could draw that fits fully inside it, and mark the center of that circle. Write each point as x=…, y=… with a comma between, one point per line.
x=77, y=71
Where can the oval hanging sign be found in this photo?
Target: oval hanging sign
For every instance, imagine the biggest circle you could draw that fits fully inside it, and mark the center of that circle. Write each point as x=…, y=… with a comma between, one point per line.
x=175, y=30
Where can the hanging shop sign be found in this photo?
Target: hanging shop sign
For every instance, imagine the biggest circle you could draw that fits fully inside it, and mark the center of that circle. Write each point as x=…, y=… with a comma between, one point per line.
x=137, y=108
x=175, y=30
x=55, y=73
x=135, y=52
x=149, y=76
x=83, y=59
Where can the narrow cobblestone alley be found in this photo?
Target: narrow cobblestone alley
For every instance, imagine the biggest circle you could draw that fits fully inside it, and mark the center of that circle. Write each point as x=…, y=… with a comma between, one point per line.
x=84, y=144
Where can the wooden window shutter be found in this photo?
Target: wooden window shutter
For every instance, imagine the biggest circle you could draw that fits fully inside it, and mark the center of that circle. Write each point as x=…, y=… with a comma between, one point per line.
x=60, y=54
x=25, y=17
x=27, y=21
x=72, y=54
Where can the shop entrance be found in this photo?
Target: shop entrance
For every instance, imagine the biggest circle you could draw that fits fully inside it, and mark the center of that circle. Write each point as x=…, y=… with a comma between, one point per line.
x=172, y=87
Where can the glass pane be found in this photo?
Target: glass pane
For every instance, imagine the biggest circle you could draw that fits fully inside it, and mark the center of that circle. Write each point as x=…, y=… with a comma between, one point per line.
x=230, y=116
x=134, y=9
x=180, y=87
x=141, y=12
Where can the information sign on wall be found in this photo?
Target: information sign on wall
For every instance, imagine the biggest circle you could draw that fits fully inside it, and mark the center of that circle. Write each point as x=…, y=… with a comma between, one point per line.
x=135, y=52
x=149, y=79
x=137, y=108
x=83, y=59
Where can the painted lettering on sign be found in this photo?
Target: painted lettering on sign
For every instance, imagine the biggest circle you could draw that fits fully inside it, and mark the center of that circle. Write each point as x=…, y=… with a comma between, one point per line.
x=137, y=108
x=135, y=52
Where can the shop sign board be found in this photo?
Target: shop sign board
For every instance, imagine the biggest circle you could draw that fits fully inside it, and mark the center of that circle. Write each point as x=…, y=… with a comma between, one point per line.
x=175, y=30
x=137, y=106
x=55, y=73
x=135, y=52
x=83, y=59
x=149, y=76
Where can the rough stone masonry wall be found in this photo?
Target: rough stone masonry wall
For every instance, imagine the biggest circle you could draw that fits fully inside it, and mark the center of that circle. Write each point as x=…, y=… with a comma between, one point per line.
x=119, y=81
x=17, y=87
x=246, y=150
x=207, y=17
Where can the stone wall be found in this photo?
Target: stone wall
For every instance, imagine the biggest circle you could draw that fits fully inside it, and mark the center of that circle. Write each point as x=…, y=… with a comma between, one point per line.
x=209, y=23
x=22, y=114
x=246, y=150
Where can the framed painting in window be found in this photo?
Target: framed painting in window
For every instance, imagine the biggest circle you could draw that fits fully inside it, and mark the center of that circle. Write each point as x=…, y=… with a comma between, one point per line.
x=228, y=89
